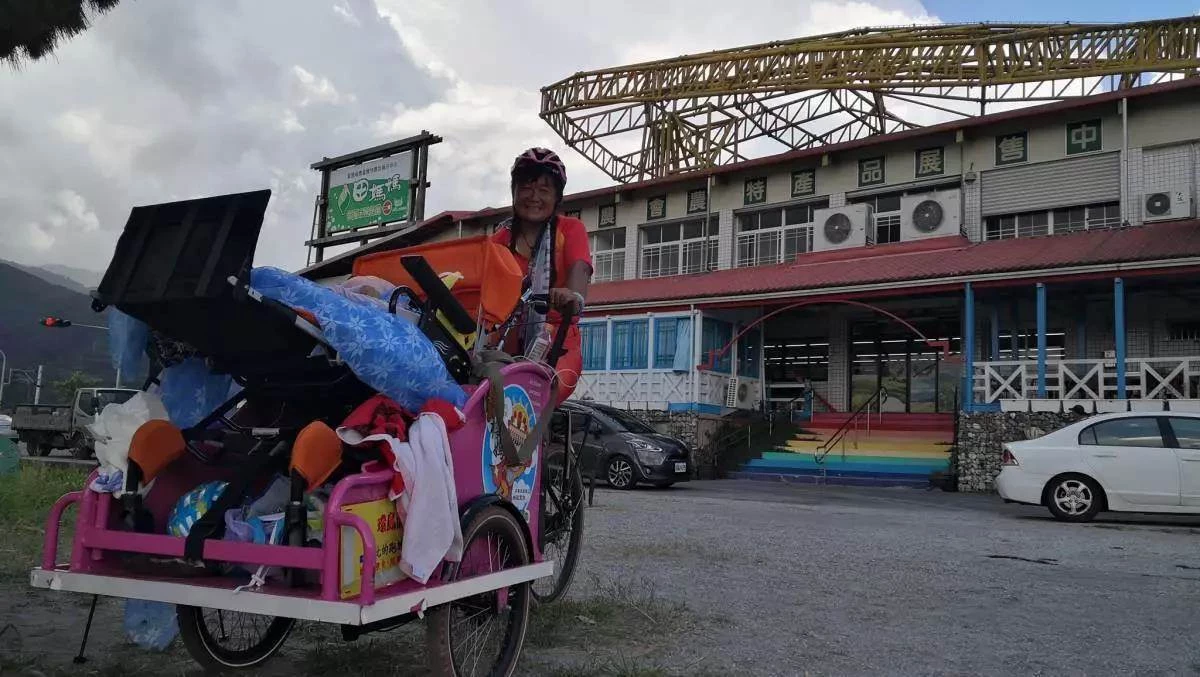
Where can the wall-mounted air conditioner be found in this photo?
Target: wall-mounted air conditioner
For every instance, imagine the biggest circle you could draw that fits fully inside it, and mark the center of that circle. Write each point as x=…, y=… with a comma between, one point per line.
x=843, y=227
x=932, y=214
x=1167, y=204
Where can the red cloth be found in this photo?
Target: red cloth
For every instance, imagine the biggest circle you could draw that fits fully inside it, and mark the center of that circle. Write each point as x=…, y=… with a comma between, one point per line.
x=452, y=417
x=380, y=415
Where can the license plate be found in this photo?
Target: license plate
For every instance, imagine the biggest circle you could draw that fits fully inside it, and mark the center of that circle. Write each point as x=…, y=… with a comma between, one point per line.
x=681, y=467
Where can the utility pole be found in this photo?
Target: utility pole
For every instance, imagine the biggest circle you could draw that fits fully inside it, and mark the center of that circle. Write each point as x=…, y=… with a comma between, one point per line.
x=3, y=371
x=37, y=388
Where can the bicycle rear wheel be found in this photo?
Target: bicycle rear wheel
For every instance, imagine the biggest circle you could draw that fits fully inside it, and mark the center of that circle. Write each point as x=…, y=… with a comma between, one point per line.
x=482, y=635
x=562, y=526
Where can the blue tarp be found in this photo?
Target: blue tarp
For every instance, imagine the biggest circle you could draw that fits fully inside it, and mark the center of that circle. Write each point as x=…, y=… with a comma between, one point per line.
x=387, y=352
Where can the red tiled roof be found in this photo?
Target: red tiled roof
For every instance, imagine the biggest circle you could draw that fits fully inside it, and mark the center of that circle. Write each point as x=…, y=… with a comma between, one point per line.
x=929, y=260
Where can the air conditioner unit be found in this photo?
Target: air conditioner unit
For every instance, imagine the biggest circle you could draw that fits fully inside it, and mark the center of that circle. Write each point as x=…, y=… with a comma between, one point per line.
x=731, y=390
x=737, y=394
x=1168, y=204
x=932, y=214
x=843, y=227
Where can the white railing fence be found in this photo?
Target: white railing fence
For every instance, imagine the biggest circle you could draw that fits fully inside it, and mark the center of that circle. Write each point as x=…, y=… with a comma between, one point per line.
x=1152, y=378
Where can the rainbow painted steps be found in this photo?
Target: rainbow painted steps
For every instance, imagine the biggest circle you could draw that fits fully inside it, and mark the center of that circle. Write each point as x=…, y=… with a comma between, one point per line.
x=899, y=450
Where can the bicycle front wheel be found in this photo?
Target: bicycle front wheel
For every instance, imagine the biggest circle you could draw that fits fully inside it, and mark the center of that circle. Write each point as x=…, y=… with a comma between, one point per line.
x=562, y=526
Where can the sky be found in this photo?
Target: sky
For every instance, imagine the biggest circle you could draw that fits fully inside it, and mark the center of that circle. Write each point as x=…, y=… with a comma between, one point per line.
x=171, y=99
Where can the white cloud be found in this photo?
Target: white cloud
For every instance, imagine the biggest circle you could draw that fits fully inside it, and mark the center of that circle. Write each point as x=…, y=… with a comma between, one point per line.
x=317, y=89
x=343, y=10
x=119, y=117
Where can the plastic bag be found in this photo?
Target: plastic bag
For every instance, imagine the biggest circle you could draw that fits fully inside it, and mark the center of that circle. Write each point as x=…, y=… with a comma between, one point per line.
x=190, y=391
x=127, y=340
x=150, y=625
x=113, y=431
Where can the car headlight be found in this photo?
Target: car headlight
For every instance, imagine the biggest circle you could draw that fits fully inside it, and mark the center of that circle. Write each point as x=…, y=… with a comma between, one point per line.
x=647, y=452
x=651, y=457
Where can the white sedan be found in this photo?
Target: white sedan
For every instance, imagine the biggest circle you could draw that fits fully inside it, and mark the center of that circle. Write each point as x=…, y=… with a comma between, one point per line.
x=1127, y=462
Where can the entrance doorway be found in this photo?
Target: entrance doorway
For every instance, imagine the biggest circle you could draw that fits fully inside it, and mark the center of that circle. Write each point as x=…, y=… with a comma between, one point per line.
x=915, y=376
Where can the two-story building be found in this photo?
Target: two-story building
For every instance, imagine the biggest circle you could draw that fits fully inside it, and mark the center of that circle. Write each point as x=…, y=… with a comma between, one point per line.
x=1041, y=257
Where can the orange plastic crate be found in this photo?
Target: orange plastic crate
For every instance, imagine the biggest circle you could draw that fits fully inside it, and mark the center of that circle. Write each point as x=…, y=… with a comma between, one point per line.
x=491, y=276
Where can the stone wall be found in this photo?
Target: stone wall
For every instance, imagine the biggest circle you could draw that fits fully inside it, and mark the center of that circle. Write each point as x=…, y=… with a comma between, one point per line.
x=694, y=429
x=981, y=434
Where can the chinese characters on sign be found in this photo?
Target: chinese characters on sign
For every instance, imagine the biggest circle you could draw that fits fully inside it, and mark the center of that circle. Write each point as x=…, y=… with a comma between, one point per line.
x=804, y=182
x=1083, y=137
x=931, y=162
x=697, y=201
x=573, y=214
x=608, y=215
x=1011, y=149
x=756, y=190
x=870, y=171
x=656, y=207
x=369, y=194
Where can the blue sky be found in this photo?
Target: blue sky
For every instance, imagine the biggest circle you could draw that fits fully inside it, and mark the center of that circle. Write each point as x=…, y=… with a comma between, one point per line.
x=1060, y=10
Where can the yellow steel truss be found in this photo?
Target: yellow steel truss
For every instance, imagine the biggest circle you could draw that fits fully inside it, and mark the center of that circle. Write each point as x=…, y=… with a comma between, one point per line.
x=699, y=111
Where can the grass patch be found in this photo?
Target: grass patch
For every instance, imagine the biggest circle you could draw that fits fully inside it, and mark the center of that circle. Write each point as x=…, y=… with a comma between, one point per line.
x=25, y=499
x=397, y=653
x=618, y=610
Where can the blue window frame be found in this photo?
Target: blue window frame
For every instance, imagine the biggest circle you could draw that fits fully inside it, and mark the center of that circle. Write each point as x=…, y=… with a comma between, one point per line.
x=716, y=335
x=630, y=344
x=673, y=343
x=594, y=336
x=749, y=345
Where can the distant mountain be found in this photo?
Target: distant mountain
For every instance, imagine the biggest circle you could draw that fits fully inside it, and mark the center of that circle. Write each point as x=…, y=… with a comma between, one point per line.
x=46, y=274
x=89, y=279
x=26, y=296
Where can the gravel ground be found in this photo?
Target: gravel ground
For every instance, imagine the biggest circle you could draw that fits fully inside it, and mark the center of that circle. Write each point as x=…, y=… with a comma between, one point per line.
x=839, y=581
x=800, y=580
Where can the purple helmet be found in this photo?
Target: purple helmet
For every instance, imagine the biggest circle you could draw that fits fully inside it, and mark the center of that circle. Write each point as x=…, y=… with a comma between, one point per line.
x=543, y=158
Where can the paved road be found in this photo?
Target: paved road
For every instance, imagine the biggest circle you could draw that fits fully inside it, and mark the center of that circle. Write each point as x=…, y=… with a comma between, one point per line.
x=846, y=581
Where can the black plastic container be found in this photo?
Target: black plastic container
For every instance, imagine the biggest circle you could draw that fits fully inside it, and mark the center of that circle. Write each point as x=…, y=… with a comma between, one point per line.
x=171, y=270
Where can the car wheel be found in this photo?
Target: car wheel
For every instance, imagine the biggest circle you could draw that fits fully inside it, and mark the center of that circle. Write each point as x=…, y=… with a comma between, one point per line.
x=1074, y=498
x=620, y=473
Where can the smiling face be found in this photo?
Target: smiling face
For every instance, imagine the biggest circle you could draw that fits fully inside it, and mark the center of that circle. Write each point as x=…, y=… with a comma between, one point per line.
x=534, y=200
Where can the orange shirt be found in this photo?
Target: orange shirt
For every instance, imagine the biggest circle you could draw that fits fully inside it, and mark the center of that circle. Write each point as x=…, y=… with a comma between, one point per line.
x=570, y=246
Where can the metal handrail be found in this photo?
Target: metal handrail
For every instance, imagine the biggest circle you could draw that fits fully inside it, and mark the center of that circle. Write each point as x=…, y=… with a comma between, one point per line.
x=839, y=435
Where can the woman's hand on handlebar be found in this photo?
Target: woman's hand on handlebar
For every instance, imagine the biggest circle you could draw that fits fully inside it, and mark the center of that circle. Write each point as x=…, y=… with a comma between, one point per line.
x=566, y=300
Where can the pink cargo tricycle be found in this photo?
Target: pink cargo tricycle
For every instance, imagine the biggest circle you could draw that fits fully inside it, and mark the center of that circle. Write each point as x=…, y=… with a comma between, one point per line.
x=336, y=558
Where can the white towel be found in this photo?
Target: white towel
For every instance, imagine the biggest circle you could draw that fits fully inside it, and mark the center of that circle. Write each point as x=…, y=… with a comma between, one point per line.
x=428, y=505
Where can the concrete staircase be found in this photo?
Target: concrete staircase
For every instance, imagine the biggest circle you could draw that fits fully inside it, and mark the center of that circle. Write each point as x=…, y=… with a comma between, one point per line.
x=898, y=450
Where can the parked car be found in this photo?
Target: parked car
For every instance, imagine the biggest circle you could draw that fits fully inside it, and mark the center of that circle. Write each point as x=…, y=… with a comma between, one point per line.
x=619, y=448
x=45, y=427
x=1125, y=462
x=6, y=426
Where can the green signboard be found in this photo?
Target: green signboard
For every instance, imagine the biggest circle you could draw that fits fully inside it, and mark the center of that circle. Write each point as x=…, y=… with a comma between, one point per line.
x=369, y=194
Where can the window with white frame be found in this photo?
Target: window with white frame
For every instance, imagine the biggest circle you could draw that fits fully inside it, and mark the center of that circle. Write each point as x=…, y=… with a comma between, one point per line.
x=608, y=255
x=672, y=343
x=679, y=248
x=594, y=339
x=887, y=216
x=775, y=235
x=1052, y=222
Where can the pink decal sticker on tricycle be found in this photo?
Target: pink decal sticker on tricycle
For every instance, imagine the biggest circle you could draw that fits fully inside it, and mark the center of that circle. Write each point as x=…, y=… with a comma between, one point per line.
x=516, y=483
